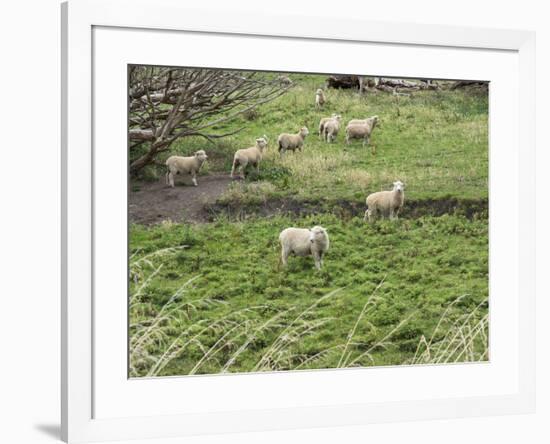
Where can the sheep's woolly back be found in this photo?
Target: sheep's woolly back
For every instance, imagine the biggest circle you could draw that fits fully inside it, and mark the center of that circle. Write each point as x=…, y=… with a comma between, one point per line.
x=358, y=130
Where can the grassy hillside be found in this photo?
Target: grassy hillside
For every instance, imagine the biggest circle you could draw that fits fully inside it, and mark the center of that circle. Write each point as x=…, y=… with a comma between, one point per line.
x=212, y=297
x=434, y=141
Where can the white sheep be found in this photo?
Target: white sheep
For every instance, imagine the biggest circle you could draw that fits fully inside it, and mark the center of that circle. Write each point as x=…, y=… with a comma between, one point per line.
x=361, y=129
x=184, y=165
x=292, y=142
x=331, y=129
x=322, y=123
x=252, y=156
x=284, y=80
x=386, y=203
x=319, y=98
x=304, y=242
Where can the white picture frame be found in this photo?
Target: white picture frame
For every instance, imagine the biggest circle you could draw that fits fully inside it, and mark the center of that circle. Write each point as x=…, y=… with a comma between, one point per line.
x=98, y=405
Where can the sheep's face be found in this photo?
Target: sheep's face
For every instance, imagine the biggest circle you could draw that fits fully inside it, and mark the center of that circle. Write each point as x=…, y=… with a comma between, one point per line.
x=374, y=121
x=317, y=233
x=337, y=117
x=319, y=92
x=261, y=143
x=201, y=155
x=304, y=131
x=398, y=186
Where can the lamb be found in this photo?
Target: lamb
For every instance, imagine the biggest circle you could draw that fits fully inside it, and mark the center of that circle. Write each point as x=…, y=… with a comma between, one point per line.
x=292, y=142
x=284, y=80
x=184, y=165
x=304, y=242
x=252, y=156
x=322, y=123
x=331, y=129
x=361, y=129
x=319, y=98
x=386, y=203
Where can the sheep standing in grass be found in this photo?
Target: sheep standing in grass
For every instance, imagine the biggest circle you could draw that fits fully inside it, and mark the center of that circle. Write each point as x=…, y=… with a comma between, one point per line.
x=304, y=242
x=252, y=156
x=292, y=142
x=331, y=129
x=386, y=203
x=361, y=129
x=284, y=80
x=184, y=165
x=323, y=122
x=319, y=98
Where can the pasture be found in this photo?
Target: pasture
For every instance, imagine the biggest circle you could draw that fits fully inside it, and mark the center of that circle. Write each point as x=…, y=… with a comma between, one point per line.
x=207, y=291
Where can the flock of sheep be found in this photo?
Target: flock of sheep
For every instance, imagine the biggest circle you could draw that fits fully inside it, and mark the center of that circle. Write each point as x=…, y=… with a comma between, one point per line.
x=302, y=241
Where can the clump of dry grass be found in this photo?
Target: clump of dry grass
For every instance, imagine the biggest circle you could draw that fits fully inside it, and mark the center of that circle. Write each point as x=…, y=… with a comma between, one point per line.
x=465, y=339
x=259, y=191
x=314, y=165
x=358, y=178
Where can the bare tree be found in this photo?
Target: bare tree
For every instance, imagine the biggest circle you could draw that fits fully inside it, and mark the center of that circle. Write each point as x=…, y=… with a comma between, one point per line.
x=166, y=104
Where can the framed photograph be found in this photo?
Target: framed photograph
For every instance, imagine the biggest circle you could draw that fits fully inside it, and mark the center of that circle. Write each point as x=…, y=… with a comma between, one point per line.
x=274, y=228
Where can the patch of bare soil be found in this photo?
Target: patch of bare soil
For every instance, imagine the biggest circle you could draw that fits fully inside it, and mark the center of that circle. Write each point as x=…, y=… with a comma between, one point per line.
x=345, y=209
x=153, y=202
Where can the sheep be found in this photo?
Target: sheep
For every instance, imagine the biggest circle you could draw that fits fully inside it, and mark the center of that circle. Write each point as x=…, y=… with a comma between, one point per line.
x=361, y=129
x=331, y=129
x=292, y=142
x=319, y=98
x=284, y=80
x=322, y=123
x=181, y=165
x=304, y=242
x=252, y=156
x=386, y=203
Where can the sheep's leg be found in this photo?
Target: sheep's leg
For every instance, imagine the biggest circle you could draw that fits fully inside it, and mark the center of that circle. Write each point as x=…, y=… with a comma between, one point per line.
x=257, y=167
x=194, y=178
x=371, y=215
x=233, y=168
x=366, y=217
x=318, y=260
x=171, y=178
x=284, y=256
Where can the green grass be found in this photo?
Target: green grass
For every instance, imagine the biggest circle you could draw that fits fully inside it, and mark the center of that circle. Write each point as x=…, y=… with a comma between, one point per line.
x=420, y=266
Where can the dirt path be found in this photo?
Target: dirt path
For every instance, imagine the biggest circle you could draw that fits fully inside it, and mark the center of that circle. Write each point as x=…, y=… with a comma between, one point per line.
x=151, y=203
x=154, y=202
